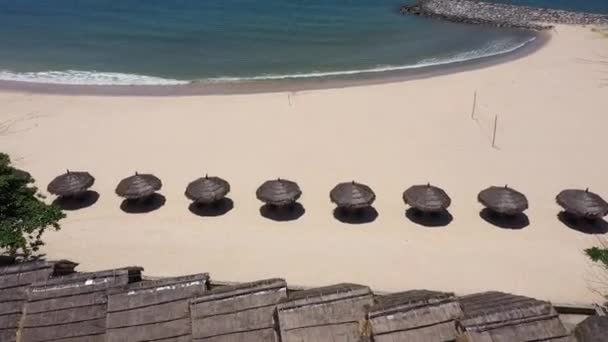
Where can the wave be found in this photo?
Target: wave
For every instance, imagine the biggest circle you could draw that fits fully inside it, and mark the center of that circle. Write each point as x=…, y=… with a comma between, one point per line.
x=76, y=77
x=490, y=50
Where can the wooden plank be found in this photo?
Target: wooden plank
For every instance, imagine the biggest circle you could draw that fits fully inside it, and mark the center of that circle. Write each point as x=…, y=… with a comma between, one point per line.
x=426, y=315
x=8, y=335
x=25, y=278
x=24, y=267
x=11, y=307
x=72, y=288
x=150, y=314
x=10, y=321
x=348, y=332
x=15, y=293
x=66, y=302
x=90, y=338
x=264, y=335
x=65, y=316
x=252, y=319
x=151, y=284
x=232, y=304
x=148, y=332
x=349, y=310
x=530, y=331
x=86, y=328
x=165, y=294
x=325, y=294
x=234, y=290
x=439, y=332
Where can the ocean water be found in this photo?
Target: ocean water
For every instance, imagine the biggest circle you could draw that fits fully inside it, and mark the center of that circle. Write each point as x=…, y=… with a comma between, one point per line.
x=182, y=41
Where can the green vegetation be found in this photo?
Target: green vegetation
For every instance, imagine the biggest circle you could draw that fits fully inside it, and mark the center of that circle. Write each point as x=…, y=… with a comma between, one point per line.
x=23, y=215
x=600, y=256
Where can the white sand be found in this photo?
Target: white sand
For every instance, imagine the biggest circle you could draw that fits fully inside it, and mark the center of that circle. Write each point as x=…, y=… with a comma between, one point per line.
x=551, y=135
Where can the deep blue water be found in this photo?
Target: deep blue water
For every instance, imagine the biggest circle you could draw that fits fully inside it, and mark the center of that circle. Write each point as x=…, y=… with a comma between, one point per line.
x=130, y=41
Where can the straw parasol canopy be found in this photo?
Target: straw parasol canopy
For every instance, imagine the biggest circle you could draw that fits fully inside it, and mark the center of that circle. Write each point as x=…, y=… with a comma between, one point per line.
x=352, y=195
x=582, y=203
x=138, y=186
x=503, y=200
x=427, y=198
x=71, y=183
x=279, y=192
x=207, y=190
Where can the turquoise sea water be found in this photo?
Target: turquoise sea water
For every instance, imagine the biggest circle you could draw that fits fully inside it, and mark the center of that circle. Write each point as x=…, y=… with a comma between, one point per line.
x=179, y=41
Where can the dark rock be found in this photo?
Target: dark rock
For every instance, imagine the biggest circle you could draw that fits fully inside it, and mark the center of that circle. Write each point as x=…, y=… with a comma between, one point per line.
x=500, y=15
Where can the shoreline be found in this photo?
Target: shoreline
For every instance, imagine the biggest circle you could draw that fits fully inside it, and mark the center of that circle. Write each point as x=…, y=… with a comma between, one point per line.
x=288, y=85
x=549, y=109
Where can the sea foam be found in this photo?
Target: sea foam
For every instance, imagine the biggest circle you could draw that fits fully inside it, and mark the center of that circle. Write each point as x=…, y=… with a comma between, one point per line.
x=76, y=77
x=489, y=50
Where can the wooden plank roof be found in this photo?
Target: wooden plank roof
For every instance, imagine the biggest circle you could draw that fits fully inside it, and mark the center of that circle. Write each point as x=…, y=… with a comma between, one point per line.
x=153, y=310
x=592, y=329
x=72, y=307
x=14, y=281
x=415, y=316
x=243, y=312
x=328, y=313
x=497, y=316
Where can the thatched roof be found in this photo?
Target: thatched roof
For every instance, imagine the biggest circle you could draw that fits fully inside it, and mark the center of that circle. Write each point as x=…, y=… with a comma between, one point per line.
x=138, y=186
x=417, y=315
x=153, y=310
x=352, y=195
x=583, y=203
x=592, y=329
x=39, y=302
x=427, y=198
x=71, y=183
x=279, y=192
x=497, y=316
x=503, y=200
x=207, y=190
x=243, y=312
x=14, y=282
x=322, y=313
x=73, y=306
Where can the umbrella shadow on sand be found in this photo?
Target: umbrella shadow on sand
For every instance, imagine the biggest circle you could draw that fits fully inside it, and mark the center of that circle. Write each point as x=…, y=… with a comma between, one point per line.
x=356, y=216
x=434, y=220
x=517, y=221
x=583, y=225
x=282, y=213
x=217, y=208
x=143, y=205
x=84, y=200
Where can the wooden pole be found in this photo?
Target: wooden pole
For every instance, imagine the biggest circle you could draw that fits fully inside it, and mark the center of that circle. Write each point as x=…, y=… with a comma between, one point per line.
x=494, y=134
x=474, y=105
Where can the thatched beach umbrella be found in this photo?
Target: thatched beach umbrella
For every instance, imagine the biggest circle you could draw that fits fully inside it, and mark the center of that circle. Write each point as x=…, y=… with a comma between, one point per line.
x=279, y=192
x=503, y=200
x=207, y=190
x=71, y=183
x=352, y=195
x=582, y=203
x=138, y=186
x=427, y=198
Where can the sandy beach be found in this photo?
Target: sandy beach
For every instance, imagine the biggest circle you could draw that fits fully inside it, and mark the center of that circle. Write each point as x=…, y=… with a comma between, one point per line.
x=551, y=108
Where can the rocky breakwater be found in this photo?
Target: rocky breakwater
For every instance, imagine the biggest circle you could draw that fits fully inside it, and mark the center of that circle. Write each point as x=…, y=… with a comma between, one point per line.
x=502, y=15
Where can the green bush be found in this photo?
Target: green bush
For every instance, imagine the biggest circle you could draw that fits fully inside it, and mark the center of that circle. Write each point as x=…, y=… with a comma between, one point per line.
x=23, y=215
